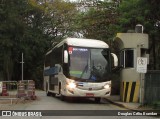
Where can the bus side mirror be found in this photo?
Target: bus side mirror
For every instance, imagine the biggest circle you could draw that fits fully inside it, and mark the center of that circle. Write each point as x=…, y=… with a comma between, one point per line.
x=115, y=59
x=65, y=56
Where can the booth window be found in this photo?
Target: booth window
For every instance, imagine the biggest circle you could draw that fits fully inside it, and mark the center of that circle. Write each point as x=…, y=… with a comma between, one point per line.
x=127, y=58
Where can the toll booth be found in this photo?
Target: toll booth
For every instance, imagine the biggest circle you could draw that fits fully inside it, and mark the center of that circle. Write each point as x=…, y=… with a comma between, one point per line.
x=131, y=46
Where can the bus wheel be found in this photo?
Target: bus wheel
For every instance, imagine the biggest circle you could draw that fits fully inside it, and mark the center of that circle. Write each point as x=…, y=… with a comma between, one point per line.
x=97, y=100
x=53, y=94
x=62, y=97
x=47, y=92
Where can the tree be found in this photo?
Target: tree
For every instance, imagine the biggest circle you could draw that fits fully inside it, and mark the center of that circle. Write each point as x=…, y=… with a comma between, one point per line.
x=26, y=26
x=21, y=31
x=96, y=20
x=59, y=19
x=10, y=33
x=134, y=12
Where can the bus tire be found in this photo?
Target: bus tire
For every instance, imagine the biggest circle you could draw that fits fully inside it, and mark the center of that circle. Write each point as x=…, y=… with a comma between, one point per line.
x=62, y=97
x=97, y=99
x=47, y=92
x=53, y=94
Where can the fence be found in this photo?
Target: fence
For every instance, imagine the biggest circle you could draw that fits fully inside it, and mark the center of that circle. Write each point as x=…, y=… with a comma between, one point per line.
x=152, y=86
x=13, y=90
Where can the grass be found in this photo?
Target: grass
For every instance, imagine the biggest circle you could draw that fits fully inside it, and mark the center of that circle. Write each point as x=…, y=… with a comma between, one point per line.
x=156, y=105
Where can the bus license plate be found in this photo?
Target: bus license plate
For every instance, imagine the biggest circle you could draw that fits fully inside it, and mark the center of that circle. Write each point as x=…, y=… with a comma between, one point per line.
x=89, y=94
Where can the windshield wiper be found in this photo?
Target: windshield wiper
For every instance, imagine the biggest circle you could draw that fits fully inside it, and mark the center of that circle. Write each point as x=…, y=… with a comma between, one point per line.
x=85, y=69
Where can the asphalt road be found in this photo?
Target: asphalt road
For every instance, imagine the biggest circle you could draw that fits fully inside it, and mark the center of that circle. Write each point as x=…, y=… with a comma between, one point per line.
x=70, y=109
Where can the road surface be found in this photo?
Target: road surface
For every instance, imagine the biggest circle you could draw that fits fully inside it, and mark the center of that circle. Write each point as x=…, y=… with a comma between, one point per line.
x=75, y=109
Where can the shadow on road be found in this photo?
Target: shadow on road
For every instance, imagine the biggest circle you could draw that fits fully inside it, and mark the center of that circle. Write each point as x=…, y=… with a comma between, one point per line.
x=83, y=100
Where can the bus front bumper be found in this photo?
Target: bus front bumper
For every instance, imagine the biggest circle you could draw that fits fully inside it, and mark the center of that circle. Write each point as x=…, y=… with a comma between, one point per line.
x=76, y=92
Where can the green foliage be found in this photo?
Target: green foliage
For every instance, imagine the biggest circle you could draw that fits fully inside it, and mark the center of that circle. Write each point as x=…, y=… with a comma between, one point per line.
x=133, y=12
x=21, y=31
x=98, y=21
x=147, y=13
x=29, y=27
x=59, y=17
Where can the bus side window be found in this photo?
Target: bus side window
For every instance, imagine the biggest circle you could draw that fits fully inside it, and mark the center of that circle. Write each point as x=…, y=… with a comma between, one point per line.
x=56, y=57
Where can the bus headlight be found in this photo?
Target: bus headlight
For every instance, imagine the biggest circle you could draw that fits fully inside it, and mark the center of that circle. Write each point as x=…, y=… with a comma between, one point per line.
x=71, y=85
x=107, y=86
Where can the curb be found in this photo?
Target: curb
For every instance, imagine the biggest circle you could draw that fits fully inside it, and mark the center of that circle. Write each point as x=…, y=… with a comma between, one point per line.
x=118, y=104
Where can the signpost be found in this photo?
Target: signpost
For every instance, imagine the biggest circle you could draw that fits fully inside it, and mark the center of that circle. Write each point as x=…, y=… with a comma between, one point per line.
x=141, y=68
x=22, y=66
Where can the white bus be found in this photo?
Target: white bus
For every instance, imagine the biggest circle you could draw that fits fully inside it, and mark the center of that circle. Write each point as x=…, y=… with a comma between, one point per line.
x=78, y=68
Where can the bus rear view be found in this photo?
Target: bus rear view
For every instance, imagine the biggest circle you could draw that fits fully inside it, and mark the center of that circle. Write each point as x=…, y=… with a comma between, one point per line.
x=85, y=70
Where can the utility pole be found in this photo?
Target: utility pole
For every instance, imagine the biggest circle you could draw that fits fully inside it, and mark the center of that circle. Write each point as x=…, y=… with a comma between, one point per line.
x=22, y=65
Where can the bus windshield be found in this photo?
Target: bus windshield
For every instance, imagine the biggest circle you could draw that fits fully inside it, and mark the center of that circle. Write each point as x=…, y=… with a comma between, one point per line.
x=88, y=64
